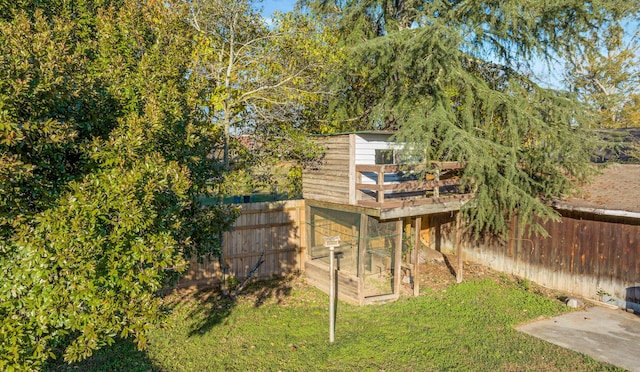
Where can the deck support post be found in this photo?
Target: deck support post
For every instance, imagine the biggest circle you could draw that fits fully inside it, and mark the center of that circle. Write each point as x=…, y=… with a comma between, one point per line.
x=416, y=257
x=397, y=265
x=362, y=251
x=380, y=185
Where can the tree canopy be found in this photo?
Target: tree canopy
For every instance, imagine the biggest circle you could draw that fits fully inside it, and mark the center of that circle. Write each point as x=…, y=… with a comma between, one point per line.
x=451, y=78
x=104, y=156
x=606, y=77
x=265, y=81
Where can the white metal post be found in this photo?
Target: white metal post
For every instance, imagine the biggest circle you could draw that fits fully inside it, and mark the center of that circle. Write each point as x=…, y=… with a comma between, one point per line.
x=332, y=242
x=332, y=296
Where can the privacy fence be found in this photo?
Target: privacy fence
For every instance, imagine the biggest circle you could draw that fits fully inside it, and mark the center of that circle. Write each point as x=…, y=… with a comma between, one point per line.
x=272, y=231
x=586, y=255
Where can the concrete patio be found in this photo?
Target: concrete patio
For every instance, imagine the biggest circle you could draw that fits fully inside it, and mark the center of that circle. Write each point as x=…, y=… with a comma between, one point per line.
x=608, y=335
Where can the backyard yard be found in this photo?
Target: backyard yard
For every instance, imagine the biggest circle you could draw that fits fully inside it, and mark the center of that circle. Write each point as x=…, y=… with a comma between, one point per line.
x=283, y=325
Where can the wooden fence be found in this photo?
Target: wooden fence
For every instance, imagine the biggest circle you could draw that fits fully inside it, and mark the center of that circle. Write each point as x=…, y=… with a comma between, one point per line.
x=273, y=229
x=585, y=255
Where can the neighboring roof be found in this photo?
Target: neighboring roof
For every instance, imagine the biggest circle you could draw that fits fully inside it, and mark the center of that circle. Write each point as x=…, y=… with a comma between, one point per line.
x=616, y=190
x=619, y=145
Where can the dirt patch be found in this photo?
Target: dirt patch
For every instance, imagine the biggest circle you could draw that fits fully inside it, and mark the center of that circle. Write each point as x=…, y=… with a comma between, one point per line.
x=436, y=277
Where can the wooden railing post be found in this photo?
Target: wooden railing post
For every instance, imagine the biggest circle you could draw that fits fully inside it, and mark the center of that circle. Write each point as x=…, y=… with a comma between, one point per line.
x=381, y=185
x=436, y=189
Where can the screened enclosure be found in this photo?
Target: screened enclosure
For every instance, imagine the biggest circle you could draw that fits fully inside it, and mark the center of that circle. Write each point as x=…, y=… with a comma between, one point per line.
x=367, y=259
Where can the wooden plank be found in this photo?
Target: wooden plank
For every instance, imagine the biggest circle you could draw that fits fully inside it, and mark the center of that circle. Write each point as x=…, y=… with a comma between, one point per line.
x=630, y=254
x=397, y=258
x=419, y=185
x=317, y=193
x=319, y=177
x=342, y=207
x=376, y=168
x=616, y=244
x=445, y=165
x=352, y=169
x=264, y=226
x=338, y=166
x=378, y=298
x=362, y=250
x=318, y=190
x=634, y=244
x=380, y=195
x=275, y=211
x=257, y=253
x=325, y=198
x=391, y=203
x=436, y=190
x=327, y=172
x=327, y=180
x=329, y=187
x=337, y=162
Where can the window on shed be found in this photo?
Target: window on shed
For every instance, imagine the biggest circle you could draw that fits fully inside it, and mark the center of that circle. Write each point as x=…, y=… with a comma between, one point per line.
x=385, y=156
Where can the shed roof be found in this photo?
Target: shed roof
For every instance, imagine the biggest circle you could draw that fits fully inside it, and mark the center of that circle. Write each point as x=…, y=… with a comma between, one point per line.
x=616, y=189
x=386, y=132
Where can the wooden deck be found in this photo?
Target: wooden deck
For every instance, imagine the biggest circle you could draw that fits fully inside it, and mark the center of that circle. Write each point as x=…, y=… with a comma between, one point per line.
x=400, y=191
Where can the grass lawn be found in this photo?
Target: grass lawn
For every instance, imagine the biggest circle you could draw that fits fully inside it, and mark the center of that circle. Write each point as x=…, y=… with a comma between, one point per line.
x=283, y=325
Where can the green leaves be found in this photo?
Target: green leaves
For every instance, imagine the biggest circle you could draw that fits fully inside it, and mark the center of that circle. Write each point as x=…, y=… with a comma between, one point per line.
x=449, y=78
x=104, y=158
x=92, y=264
x=607, y=76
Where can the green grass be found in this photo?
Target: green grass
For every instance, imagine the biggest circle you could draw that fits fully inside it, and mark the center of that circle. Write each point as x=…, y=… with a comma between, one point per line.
x=284, y=326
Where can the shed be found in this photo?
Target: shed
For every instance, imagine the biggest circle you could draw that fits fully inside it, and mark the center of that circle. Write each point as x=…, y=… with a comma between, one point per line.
x=614, y=193
x=369, y=192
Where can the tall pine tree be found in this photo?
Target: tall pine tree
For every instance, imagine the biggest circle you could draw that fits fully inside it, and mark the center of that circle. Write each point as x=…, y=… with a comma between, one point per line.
x=450, y=76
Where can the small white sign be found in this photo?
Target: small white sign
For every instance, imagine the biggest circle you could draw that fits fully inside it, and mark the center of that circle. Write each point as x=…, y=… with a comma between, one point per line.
x=331, y=241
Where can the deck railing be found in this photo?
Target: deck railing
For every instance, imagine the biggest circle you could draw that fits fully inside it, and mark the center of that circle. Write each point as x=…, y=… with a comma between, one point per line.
x=407, y=182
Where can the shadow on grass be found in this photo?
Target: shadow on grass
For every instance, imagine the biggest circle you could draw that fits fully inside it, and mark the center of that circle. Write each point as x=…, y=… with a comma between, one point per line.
x=214, y=307
x=447, y=262
x=123, y=355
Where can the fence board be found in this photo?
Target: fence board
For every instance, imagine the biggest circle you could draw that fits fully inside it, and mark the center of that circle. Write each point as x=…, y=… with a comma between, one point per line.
x=583, y=255
x=274, y=228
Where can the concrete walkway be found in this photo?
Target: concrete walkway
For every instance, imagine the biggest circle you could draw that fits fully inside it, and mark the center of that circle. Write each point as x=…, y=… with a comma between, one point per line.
x=608, y=335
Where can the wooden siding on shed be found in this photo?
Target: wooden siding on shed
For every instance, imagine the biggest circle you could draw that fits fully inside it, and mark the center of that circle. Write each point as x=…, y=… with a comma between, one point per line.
x=367, y=144
x=331, y=179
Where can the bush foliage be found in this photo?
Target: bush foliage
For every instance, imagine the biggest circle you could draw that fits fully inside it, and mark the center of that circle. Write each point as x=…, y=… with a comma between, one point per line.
x=103, y=161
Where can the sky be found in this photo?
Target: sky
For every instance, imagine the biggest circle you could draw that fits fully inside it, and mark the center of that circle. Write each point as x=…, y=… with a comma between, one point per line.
x=270, y=6
x=549, y=76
